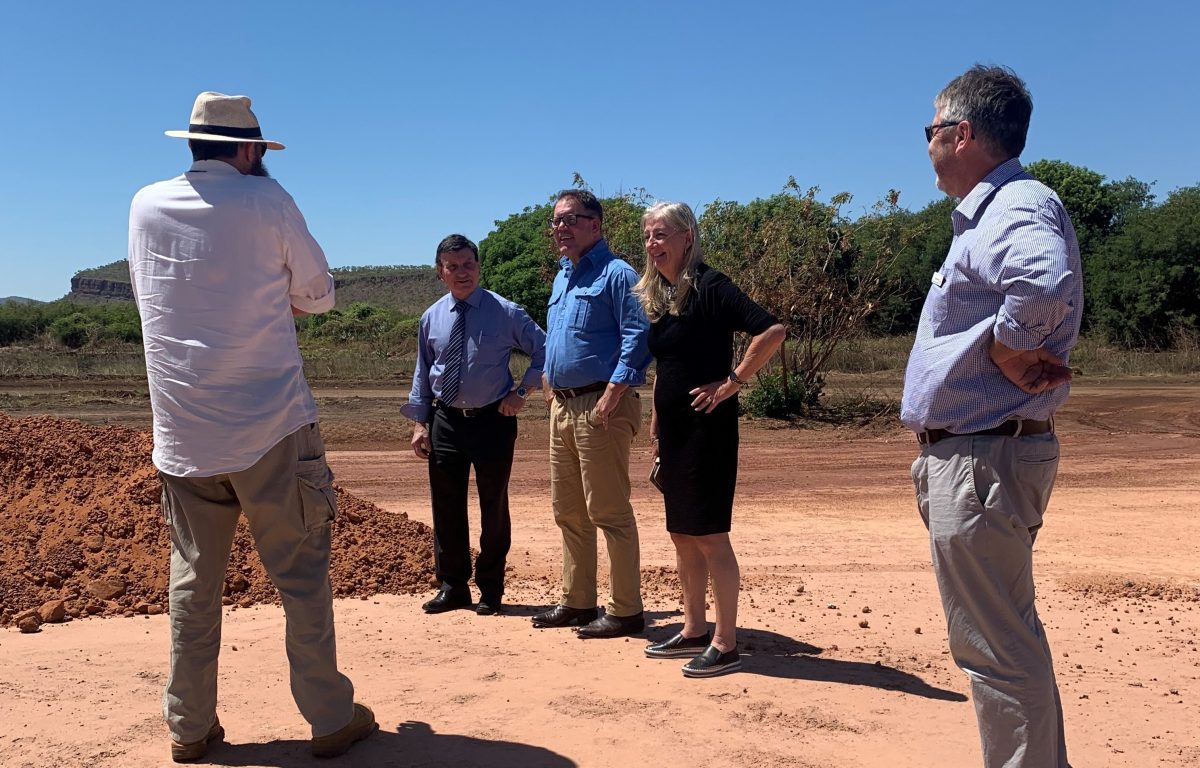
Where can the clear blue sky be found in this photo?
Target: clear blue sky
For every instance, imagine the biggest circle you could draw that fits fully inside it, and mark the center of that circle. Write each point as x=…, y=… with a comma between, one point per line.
x=408, y=121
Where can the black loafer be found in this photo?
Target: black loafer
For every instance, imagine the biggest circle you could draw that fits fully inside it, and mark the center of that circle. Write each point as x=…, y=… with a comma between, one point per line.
x=679, y=647
x=563, y=616
x=613, y=626
x=713, y=662
x=489, y=606
x=447, y=600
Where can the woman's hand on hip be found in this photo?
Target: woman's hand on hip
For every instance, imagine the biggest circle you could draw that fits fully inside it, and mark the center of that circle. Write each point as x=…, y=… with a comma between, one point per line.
x=709, y=396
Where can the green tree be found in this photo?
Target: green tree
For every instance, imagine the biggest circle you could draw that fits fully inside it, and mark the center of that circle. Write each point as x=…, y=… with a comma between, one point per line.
x=1097, y=208
x=925, y=240
x=821, y=274
x=518, y=259
x=1145, y=280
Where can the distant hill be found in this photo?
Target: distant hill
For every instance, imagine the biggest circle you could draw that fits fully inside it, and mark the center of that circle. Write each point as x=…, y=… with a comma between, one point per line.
x=19, y=300
x=406, y=289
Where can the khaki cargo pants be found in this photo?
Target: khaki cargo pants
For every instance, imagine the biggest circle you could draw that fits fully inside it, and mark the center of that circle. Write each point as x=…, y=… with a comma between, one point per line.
x=288, y=499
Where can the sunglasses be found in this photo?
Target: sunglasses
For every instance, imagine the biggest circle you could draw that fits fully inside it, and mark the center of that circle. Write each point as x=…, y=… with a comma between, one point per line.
x=932, y=129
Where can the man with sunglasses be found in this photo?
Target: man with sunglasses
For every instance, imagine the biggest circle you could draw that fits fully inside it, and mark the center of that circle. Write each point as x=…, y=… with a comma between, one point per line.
x=987, y=372
x=596, y=352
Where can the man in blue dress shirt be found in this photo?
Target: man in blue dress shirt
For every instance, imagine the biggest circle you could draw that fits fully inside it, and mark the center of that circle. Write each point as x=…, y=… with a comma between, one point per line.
x=466, y=407
x=596, y=352
x=987, y=372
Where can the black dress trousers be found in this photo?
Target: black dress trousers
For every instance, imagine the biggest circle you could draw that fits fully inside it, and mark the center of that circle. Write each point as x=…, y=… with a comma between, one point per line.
x=485, y=442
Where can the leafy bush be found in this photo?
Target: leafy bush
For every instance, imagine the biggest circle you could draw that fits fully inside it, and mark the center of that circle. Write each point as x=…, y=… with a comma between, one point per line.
x=768, y=398
x=74, y=330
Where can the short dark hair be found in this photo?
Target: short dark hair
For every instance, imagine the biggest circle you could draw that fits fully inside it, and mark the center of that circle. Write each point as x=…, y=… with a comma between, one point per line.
x=584, y=198
x=453, y=243
x=212, y=150
x=996, y=103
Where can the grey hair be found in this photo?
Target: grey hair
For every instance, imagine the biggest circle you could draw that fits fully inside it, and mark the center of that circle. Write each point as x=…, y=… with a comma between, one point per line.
x=994, y=101
x=652, y=287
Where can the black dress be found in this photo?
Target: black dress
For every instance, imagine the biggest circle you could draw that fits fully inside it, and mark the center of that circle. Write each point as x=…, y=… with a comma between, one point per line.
x=699, y=451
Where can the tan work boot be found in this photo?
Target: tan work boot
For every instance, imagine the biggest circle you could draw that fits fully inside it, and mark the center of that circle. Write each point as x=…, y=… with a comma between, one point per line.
x=181, y=753
x=360, y=727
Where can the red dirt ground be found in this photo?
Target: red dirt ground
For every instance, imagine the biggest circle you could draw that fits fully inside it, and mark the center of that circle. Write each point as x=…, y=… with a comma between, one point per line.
x=829, y=540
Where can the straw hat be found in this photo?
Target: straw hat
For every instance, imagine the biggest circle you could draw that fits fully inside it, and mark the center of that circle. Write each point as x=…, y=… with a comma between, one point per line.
x=217, y=117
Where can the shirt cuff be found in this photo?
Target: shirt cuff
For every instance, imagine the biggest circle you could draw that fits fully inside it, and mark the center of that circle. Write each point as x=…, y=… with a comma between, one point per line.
x=626, y=375
x=319, y=305
x=1012, y=334
x=418, y=412
x=532, y=379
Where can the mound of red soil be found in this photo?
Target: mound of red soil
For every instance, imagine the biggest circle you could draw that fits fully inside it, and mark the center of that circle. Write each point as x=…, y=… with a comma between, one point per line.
x=80, y=523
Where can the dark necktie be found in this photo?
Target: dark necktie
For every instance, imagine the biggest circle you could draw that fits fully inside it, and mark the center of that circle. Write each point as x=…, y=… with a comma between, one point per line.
x=452, y=376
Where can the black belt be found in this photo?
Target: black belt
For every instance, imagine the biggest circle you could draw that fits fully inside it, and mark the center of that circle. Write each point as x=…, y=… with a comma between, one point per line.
x=1010, y=428
x=468, y=412
x=567, y=394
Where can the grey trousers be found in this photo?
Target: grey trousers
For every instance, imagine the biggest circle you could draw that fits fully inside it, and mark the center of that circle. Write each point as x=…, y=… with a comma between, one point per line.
x=288, y=499
x=982, y=499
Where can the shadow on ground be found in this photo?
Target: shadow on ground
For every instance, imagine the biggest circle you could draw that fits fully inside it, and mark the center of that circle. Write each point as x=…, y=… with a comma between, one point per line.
x=775, y=655
x=411, y=743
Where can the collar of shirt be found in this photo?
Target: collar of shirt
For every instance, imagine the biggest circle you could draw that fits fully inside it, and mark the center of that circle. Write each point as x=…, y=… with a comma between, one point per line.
x=474, y=299
x=968, y=209
x=597, y=256
x=215, y=167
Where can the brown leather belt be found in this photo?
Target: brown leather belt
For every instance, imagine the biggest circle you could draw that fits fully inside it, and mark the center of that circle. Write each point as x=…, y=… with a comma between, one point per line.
x=1010, y=428
x=468, y=412
x=567, y=394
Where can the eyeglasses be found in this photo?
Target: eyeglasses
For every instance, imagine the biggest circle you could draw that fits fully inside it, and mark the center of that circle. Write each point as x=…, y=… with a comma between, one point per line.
x=567, y=218
x=932, y=129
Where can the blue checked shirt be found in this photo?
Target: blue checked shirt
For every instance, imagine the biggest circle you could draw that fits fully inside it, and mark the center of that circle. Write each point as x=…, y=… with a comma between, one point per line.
x=1013, y=273
x=494, y=327
x=596, y=327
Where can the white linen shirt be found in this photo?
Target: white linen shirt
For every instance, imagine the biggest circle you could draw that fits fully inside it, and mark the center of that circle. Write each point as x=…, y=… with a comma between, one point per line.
x=217, y=260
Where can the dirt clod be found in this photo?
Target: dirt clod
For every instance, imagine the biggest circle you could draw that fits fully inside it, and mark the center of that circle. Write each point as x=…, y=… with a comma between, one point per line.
x=53, y=611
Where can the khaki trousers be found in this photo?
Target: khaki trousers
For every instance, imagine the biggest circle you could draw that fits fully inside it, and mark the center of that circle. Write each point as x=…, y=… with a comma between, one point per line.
x=589, y=489
x=982, y=499
x=288, y=499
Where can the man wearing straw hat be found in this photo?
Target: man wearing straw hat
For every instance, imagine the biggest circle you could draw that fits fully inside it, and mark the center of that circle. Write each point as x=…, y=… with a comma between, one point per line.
x=221, y=259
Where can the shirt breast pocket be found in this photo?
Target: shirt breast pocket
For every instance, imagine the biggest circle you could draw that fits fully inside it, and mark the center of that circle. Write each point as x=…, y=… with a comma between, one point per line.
x=490, y=350
x=937, y=302
x=591, y=307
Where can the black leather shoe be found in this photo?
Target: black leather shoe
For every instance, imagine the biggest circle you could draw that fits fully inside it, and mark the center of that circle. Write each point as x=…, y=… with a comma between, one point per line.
x=614, y=626
x=562, y=616
x=489, y=606
x=713, y=662
x=447, y=600
x=679, y=647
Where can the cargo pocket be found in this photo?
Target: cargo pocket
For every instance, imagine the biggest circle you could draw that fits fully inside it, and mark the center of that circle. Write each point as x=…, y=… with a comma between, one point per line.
x=165, y=502
x=317, y=498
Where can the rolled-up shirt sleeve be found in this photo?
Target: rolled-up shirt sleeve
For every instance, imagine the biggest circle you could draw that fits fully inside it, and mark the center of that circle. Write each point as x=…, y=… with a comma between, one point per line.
x=634, y=355
x=1036, y=279
x=311, y=289
x=420, y=398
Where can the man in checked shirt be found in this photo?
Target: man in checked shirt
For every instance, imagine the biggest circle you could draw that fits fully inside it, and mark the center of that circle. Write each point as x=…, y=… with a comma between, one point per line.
x=986, y=374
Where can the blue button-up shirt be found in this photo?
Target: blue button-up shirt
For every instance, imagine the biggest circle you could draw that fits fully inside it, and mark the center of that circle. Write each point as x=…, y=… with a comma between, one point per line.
x=597, y=329
x=1013, y=273
x=494, y=326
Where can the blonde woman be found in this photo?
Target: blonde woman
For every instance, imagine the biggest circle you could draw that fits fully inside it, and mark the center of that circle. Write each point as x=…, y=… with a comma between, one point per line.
x=694, y=311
